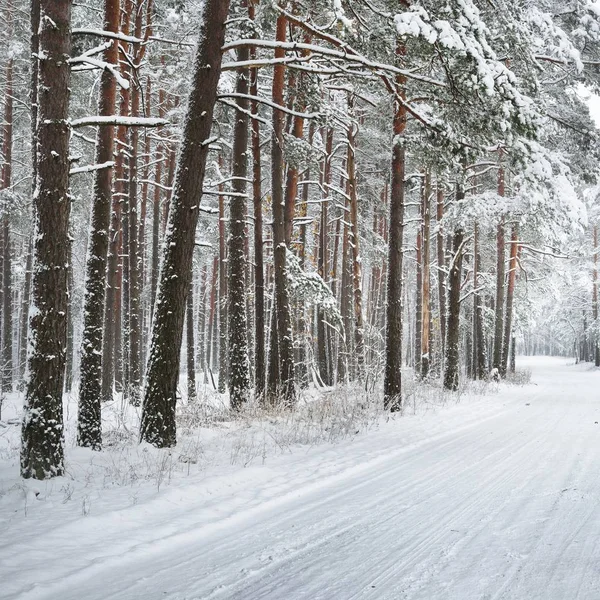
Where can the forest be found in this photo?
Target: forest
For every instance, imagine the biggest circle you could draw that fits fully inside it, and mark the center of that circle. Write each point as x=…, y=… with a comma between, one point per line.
x=257, y=202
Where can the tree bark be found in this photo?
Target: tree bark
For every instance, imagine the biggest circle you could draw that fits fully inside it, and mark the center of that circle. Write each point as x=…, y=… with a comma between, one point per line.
x=426, y=294
x=285, y=390
x=441, y=275
x=24, y=325
x=510, y=294
x=595, y=298
x=42, y=452
x=359, y=341
x=239, y=365
x=323, y=358
x=223, y=358
x=191, y=352
x=260, y=366
x=451, y=373
x=161, y=151
x=89, y=425
x=500, y=274
x=479, y=354
x=158, y=413
x=392, y=387
x=5, y=183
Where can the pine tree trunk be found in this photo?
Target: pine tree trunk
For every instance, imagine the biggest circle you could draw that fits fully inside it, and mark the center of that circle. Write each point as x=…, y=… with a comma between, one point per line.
x=426, y=295
x=5, y=184
x=344, y=370
x=89, y=426
x=24, y=325
x=510, y=294
x=156, y=209
x=452, y=367
x=239, y=365
x=69, y=367
x=202, y=321
x=392, y=387
x=191, y=351
x=134, y=258
x=500, y=273
x=479, y=354
x=323, y=359
x=285, y=390
x=359, y=341
x=418, y=348
x=260, y=366
x=158, y=414
x=595, y=298
x=42, y=453
x=223, y=358
x=441, y=276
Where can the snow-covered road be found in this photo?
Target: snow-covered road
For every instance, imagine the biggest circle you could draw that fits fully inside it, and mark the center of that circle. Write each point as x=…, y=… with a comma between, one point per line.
x=495, y=501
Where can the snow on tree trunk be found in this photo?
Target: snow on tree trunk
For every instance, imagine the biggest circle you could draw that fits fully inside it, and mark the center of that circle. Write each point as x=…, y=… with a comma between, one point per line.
x=595, y=299
x=89, y=426
x=323, y=357
x=359, y=341
x=451, y=373
x=42, y=452
x=284, y=389
x=158, y=413
x=5, y=184
x=223, y=358
x=259, y=271
x=426, y=295
x=500, y=273
x=239, y=365
x=479, y=354
x=441, y=265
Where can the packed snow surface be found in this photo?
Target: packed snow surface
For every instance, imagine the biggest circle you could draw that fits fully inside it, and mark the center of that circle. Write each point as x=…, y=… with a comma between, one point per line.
x=497, y=498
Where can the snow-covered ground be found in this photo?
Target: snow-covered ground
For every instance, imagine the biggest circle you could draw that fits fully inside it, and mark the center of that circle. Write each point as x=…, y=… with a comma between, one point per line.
x=497, y=496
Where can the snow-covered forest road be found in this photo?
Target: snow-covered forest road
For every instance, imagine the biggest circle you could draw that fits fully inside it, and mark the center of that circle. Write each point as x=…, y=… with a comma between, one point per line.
x=496, y=500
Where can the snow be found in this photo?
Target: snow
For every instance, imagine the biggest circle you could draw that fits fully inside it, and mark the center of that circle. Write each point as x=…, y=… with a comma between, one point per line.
x=492, y=497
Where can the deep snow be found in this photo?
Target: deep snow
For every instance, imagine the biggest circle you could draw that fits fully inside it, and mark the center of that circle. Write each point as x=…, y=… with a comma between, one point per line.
x=495, y=497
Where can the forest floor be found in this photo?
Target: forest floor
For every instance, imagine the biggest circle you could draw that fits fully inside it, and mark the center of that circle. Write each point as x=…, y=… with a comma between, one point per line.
x=494, y=496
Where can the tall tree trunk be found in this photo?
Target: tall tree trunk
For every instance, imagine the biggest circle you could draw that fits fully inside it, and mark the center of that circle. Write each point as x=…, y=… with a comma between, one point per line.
x=134, y=260
x=595, y=298
x=24, y=325
x=5, y=184
x=345, y=356
x=392, y=386
x=239, y=365
x=451, y=373
x=158, y=413
x=191, y=352
x=426, y=294
x=89, y=425
x=42, y=453
x=500, y=273
x=156, y=208
x=323, y=358
x=285, y=390
x=419, y=286
x=223, y=358
x=69, y=366
x=260, y=366
x=441, y=268
x=510, y=294
x=359, y=342
x=479, y=355
x=202, y=312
